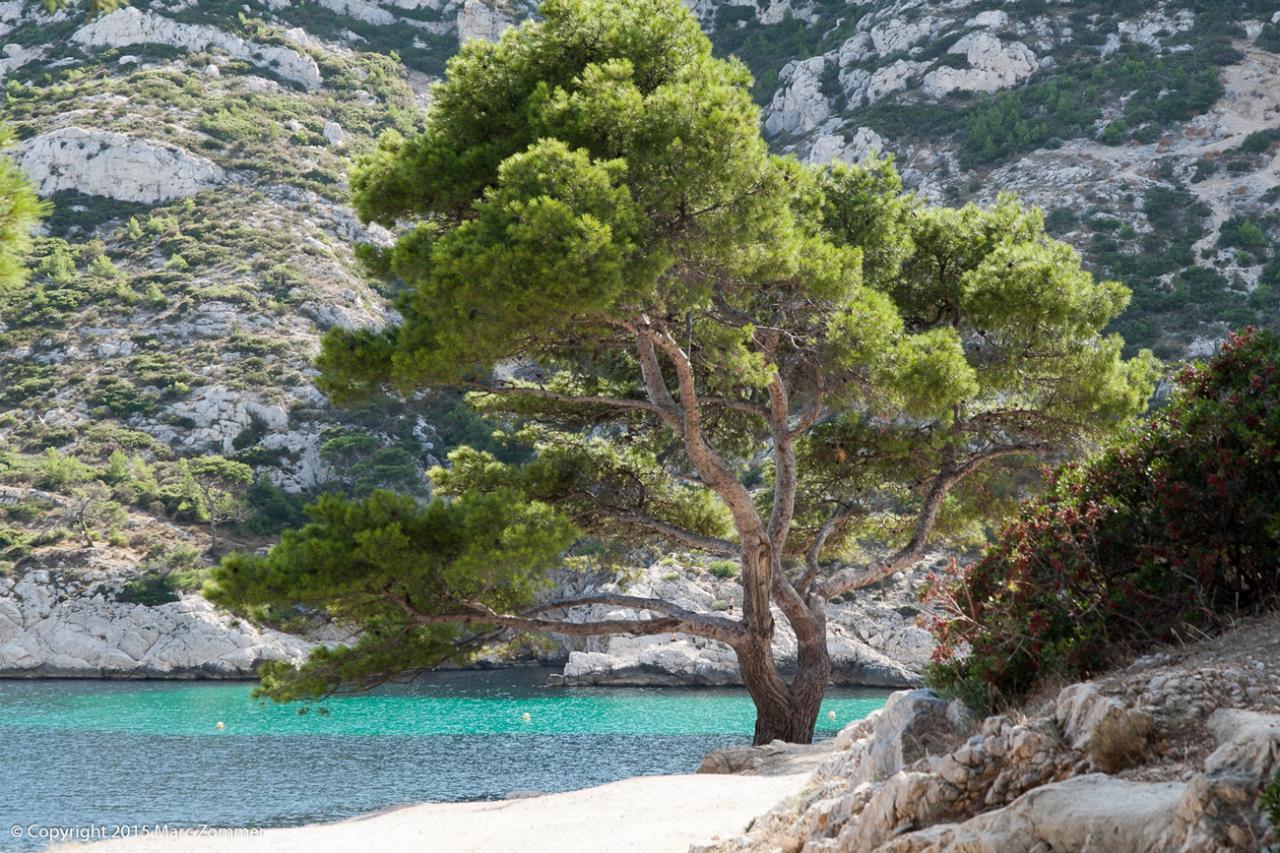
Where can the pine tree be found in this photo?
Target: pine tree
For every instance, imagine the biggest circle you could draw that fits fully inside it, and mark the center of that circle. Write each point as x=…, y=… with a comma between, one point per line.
x=800, y=369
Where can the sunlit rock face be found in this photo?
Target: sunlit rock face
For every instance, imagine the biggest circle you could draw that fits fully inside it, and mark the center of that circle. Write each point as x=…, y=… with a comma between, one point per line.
x=126, y=168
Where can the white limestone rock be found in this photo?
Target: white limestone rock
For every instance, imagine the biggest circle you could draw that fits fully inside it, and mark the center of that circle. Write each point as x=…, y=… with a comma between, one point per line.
x=103, y=163
x=896, y=35
x=78, y=628
x=369, y=13
x=891, y=78
x=219, y=414
x=129, y=26
x=1250, y=744
x=14, y=56
x=912, y=724
x=993, y=65
x=334, y=134
x=480, y=20
x=829, y=147
x=1113, y=734
x=799, y=105
x=1092, y=812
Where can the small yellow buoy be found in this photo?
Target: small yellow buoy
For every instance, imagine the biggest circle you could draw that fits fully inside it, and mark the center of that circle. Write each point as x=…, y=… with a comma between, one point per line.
x=219, y=725
x=831, y=715
x=525, y=716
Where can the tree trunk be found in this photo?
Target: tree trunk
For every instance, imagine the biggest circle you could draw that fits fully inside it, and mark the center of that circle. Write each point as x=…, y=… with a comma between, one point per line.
x=783, y=712
x=786, y=712
x=813, y=665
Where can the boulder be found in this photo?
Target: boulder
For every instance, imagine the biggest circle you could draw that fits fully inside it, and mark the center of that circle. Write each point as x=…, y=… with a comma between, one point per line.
x=480, y=20
x=799, y=105
x=993, y=65
x=828, y=147
x=1250, y=744
x=1112, y=734
x=773, y=759
x=913, y=724
x=1086, y=813
x=54, y=629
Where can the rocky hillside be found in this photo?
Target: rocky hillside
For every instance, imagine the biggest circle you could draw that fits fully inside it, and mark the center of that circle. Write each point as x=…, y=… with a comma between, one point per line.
x=1172, y=753
x=155, y=376
x=1147, y=131
x=156, y=388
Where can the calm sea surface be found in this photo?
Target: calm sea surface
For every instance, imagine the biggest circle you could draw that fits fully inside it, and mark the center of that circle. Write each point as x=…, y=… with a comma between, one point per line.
x=80, y=753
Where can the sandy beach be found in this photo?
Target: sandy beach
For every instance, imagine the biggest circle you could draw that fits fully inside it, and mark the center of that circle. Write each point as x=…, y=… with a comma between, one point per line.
x=645, y=814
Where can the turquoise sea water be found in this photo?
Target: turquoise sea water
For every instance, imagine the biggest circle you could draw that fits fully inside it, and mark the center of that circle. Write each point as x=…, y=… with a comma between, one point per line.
x=80, y=753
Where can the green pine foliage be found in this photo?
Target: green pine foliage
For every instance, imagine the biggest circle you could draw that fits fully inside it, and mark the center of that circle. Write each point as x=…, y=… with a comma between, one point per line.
x=591, y=195
x=20, y=209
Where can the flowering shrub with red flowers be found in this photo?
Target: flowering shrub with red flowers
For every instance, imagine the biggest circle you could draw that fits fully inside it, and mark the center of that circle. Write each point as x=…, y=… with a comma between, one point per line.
x=1172, y=530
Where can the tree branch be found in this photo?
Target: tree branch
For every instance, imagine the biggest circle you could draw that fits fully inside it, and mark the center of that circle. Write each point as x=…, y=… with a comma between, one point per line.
x=655, y=385
x=709, y=544
x=724, y=627
x=858, y=577
x=713, y=470
x=571, y=399
x=696, y=624
x=784, y=463
x=830, y=526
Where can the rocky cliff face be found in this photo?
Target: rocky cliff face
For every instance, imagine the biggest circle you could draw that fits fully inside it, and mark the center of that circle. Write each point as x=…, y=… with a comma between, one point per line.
x=1172, y=753
x=1147, y=131
x=201, y=244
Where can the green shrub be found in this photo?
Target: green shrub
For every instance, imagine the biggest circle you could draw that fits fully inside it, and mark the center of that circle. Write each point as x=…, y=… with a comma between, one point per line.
x=724, y=569
x=1242, y=233
x=150, y=589
x=1270, y=801
x=1177, y=524
x=120, y=397
x=1269, y=38
x=14, y=542
x=1260, y=141
x=59, y=471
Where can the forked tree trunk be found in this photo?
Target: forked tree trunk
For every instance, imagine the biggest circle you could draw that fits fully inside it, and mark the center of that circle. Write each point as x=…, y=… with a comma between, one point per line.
x=787, y=712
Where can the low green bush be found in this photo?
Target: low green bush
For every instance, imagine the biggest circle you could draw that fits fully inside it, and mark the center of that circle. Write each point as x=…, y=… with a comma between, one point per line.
x=1173, y=527
x=149, y=589
x=724, y=569
x=1270, y=801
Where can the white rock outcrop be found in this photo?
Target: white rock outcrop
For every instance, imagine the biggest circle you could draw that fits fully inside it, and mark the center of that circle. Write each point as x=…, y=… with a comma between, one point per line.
x=923, y=776
x=891, y=78
x=104, y=163
x=334, y=134
x=480, y=20
x=1092, y=812
x=830, y=147
x=799, y=105
x=219, y=414
x=1111, y=733
x=993, y=65
x=895, y=35
x=369, y=13
x=130, y=25
x=52, y=628
x=14, y=56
